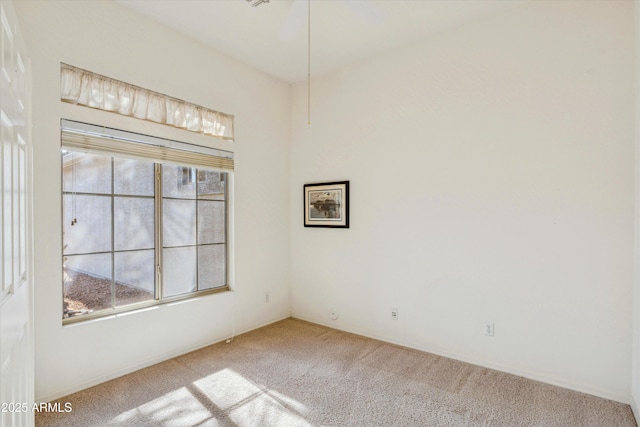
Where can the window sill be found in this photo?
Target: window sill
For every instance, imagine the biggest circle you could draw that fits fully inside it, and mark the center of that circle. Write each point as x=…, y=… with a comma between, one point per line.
x=138, y=307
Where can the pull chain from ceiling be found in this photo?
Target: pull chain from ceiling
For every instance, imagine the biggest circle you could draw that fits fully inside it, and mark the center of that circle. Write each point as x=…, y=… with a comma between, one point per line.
x=309, y=63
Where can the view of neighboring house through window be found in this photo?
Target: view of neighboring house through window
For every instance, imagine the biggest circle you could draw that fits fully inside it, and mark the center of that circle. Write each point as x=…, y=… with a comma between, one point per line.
x=139, y=231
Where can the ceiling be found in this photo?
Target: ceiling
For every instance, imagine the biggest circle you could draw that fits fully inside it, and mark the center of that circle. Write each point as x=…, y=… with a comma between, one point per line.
x=273, y=36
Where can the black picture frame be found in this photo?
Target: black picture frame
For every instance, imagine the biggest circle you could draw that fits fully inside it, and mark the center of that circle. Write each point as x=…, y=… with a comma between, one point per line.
x=326, y=204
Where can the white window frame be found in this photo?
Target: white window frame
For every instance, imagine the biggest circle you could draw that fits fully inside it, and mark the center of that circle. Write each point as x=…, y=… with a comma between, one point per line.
x=88, y=138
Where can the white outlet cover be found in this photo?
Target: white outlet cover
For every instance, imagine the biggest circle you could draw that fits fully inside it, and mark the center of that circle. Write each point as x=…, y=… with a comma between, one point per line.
x=489, y=329
x=332, y=313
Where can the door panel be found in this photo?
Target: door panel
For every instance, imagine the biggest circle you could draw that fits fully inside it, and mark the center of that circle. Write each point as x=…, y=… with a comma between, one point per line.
x=16, y=287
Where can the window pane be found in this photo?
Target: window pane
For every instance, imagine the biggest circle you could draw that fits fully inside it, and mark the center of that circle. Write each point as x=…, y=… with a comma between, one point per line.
x=87, y=283
x=134, y=224
x=179, y=272
x=178, y=182
x=135, y=276
x=211, y=266
x=211, y=185
x=91, y=219
x=211, y=222
x=86, y=173
x=179, y=222
x=133, y=177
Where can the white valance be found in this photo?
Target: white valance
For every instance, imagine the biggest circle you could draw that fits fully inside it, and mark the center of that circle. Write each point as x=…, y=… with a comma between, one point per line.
x=78, y=86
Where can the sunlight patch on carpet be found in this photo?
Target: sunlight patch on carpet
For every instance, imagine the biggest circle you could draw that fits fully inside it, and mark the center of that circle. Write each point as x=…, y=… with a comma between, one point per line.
x=225, y=396
x=178, y=407
x=248, y=402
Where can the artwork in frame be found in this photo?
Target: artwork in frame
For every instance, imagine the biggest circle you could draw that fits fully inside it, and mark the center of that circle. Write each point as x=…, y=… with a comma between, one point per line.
x=326, y=204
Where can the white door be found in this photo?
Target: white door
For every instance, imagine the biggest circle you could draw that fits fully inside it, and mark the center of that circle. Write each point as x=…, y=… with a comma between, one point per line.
x=16, y=287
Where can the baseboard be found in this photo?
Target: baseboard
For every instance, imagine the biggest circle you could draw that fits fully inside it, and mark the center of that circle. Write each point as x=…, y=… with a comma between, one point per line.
x=636, y=409
x=526, y=374
x=532, y=375
x=146, y=363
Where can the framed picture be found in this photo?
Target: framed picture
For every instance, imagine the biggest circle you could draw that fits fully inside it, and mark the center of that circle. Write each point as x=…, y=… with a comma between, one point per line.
x=326, y=204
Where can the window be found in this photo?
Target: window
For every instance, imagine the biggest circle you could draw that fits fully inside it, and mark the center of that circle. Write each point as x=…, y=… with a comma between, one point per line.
x=143, y=223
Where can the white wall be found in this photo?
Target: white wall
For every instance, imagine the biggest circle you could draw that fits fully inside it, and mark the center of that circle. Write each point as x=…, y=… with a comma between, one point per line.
x=492, y=178
x=108, y=39
x=635, y=355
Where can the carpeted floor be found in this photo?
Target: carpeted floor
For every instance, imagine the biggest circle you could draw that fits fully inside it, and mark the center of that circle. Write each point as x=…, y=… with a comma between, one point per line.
x=294, y=373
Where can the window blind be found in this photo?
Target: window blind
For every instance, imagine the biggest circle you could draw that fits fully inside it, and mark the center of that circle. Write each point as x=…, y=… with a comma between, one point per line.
x=101, y=140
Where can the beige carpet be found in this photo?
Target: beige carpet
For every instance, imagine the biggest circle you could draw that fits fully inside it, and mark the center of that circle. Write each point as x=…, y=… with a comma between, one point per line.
x=294, y=373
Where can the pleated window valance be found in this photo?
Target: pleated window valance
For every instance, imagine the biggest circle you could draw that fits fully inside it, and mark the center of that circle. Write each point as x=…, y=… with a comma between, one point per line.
x=78, y=86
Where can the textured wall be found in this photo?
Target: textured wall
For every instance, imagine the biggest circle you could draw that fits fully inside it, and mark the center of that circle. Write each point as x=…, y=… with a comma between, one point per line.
x=492, y=179
x=109, y=39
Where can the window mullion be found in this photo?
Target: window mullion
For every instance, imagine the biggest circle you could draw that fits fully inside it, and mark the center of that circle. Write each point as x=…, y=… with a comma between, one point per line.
x=158, y=230
x=196, y=237
x=227, y=206
x=113, y=239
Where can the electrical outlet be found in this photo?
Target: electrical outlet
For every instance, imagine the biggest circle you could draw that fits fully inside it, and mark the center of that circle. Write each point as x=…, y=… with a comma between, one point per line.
x=489, y=329
x=394, y=314
x=266, y=297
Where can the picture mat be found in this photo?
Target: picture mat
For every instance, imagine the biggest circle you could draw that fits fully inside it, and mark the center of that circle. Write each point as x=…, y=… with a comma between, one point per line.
x=325, y=205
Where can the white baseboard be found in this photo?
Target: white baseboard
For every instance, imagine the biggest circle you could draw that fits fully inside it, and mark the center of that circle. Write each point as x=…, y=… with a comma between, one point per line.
x=560, y=382
x=636, y=409
x=532, y=375
x=144, y=364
